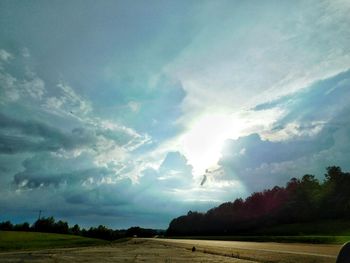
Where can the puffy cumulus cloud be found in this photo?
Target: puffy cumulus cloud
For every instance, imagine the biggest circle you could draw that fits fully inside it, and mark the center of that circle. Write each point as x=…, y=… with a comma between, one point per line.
x=312, y=133
x=174, y=172
x=175, y=179
x=259, y=164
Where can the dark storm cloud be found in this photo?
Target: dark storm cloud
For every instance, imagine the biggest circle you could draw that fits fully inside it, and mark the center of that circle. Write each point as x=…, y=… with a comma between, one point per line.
x=119, y=193
x=34, y=179
x=22, y=136
x=251, y=151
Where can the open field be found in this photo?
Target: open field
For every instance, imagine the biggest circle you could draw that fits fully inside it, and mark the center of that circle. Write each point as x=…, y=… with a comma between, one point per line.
x=13, y=240
x=169, y=250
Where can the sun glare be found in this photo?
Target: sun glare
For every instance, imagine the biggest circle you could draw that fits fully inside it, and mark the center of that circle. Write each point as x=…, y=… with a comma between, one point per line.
x=203, y=142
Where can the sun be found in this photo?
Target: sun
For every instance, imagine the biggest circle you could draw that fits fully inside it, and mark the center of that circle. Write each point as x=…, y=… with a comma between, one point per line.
x=203, y=142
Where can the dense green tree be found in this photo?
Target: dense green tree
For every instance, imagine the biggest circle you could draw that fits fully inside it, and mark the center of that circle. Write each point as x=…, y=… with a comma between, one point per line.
x=302, y=200
x=75, y=230
x=6, y=225
x=44, y=224
x=22, y=227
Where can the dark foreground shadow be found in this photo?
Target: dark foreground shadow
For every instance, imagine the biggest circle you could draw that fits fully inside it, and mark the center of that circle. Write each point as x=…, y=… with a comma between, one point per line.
x=344, y=254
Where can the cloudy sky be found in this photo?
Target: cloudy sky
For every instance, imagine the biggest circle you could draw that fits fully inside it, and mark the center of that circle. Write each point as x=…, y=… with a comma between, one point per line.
x=113, y=112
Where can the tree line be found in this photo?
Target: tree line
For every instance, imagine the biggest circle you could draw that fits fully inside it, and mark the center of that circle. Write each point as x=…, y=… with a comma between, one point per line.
x=300, y=201
x=50, y=225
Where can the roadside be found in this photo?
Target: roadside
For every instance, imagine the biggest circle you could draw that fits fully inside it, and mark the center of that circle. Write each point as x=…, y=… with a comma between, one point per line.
x=262, y=251
x=135, y=250
x=176, y=250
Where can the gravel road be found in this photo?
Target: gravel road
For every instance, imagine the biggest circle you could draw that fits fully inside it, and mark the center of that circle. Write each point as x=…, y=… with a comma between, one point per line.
x=180, y=250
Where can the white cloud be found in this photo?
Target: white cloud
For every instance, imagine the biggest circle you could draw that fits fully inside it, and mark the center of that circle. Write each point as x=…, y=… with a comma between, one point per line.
x=25, y=52
x=5, y=56
x=312, y=133
x=34, y=87
x=294, y=130
x=73, y=100
x=238, y=61
x=134, y=106
x=28, y=87
x=8, y=88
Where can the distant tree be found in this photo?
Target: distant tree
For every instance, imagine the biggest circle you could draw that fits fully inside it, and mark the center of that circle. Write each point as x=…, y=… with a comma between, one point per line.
x=140, y=232
x=22, y=227
x=75, y=230
x=49, y=225
x=101, y=232
x=6, y=225
x=61, y=227
x=44, y=224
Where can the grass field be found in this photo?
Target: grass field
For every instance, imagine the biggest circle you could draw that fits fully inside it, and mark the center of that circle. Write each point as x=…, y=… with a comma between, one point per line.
x=13, y=240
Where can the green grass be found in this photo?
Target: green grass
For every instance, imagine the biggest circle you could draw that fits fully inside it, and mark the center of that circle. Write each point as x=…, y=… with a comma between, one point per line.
x=13, y=240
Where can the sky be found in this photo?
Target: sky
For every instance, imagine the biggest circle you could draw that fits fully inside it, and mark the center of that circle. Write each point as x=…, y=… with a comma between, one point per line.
x=127, y=113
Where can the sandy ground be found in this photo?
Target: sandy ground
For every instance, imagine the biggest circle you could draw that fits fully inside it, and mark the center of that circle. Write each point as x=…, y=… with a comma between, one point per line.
x=159, y=250
x=136, y=250
x=263, y=251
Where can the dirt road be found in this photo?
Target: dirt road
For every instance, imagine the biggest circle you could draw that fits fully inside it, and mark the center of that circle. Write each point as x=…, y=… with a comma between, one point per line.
x=262, y=251
x=136, y=250
x=169, y=250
